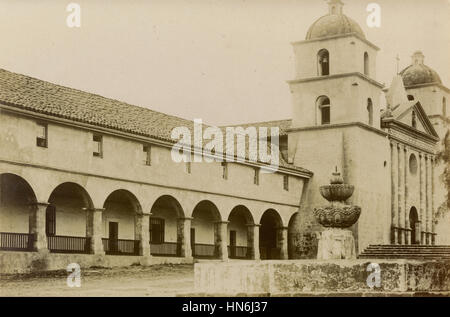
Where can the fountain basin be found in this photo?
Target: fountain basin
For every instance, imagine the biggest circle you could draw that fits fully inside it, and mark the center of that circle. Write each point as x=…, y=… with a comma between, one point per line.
x=337, y=192
x=340, y=216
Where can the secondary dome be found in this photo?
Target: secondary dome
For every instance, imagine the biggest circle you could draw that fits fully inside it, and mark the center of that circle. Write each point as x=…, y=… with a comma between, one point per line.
x=334, y=23
x=418, y=73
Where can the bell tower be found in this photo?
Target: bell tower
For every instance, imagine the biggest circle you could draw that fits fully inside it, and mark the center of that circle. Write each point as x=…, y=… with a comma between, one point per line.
x=335, y=70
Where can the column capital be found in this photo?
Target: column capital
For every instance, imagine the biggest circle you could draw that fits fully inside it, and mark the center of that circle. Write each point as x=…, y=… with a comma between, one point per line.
x=283, y=228
x=222, y=222
x=40, y=204
x=185, y=218
x=93, y=209
x=253, y=225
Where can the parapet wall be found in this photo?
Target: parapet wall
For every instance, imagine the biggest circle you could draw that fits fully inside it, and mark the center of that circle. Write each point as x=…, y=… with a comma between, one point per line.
x=307, y=276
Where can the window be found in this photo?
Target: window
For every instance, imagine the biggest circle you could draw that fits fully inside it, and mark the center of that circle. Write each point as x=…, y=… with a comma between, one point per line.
x=323, y=62
x=157, y=230
x=413, y=164
x=50, y=221
x=188, y=167
x=224, y=170
x=41, y=139
x=98, y=140
x=256, y=176
x=410, y=97
x=370, y=111
x=323, y=103
x=148, y=154
x=286, y=182
x=413, y=120
x=366, y=64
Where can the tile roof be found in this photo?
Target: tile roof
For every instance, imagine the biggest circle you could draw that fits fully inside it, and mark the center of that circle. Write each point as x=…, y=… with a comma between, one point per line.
x=43, y=97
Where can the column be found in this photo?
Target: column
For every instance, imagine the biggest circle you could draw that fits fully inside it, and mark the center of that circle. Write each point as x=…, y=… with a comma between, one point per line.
x=221, y=235
x=433, y=234
x=184, y=237
x=94, y=230
x=253, y=240
x=407, y=225
x=37, y=226
x=429, y=200
x=423, y=215
x=283, y=242
x=394, y=192
x=401, y=195
x=143, y=233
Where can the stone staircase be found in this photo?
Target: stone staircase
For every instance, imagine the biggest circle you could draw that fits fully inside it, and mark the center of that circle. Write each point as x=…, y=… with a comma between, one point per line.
x=415, y=251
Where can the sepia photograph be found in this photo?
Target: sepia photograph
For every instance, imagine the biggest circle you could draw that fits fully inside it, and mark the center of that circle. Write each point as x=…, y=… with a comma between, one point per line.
x=202, y=149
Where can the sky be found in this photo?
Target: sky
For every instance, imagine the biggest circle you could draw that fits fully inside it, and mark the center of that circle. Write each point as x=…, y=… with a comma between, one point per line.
x=224, y=61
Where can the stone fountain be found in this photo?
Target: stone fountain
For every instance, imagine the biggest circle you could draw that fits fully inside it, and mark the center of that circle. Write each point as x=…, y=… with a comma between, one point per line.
x=336, y=241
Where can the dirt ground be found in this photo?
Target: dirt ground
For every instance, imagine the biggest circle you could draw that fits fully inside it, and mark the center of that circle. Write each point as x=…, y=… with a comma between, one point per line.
x=158, y=280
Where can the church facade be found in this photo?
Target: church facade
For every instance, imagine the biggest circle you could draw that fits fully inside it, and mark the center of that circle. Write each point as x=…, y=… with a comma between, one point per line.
x=91, y=180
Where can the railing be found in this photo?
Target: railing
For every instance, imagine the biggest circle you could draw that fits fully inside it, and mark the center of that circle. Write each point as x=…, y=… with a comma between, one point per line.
x=121, y=246
x=238, y=252
x=201, y=250
x=67, y=244
x=267, y=253
x=165, y=249
x=16, y=241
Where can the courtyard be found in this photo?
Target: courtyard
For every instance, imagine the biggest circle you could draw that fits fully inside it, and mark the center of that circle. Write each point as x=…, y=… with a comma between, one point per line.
x=157, y=280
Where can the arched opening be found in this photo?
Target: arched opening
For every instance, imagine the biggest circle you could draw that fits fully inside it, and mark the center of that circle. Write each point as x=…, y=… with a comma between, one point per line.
x=444, y=107
x=66, y=223
x=16, y=197
x=323, y=106
x=414, y=226
x=240, y=233
x=410, y=97
x=269, y=240
x=366, y=64
x=413, y=120
x=413, y=164
x=323, y=62
x=369, y=111
x=119, y=223
x=165, y=236
x=204, y=230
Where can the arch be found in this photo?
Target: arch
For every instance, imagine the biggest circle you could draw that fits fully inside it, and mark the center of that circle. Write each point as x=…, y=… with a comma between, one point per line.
x=370, y=111
x=444, y=107
x=324, y=110
x=16, y=195
x=413, y=164
x=323, y=63
x=414, y=224
x=414, y=119
x=271, y=223
x=74, y=191
x=366, y=64
x=204, y=230
x=119, y=215
x=240, y=233
x=165, y=238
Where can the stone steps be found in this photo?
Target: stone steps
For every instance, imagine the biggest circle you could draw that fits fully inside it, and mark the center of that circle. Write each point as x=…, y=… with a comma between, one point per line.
x=422, y=252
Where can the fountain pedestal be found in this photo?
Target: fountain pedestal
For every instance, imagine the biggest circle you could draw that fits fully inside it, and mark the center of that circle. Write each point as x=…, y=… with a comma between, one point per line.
x=336, y=244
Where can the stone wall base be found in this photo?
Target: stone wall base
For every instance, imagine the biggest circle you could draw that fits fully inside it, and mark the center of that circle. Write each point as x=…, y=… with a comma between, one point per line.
x=313, y=276
x=26, y=262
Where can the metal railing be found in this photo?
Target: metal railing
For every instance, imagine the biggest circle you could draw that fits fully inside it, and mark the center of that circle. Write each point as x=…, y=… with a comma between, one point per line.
x=201, y=250
x=121, y=246
x=165, y=249
x=11, y=241
x=267, y=253
x=239, y=252
x=68, y=244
